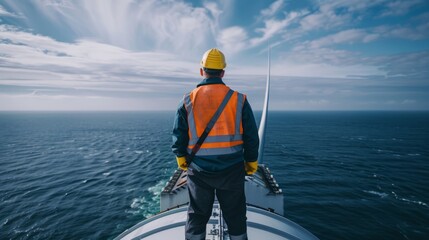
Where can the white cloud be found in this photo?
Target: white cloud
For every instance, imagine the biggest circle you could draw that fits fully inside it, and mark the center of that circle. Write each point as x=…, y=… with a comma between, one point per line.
x=26, y=102
x=233, y=39
x=409, y=66
x=416, y=31
x=354, y=36
x=237, y=38
x=5, y=13
x=161, y=25
x=33, y=60
x=214, y=10
x=349, y=5
x=334, y=14
x=346, y=36
x=274, y=27
x=320, y=69
x=272, y=9
x=400, y=7
x=317, y=63
x=325, y=18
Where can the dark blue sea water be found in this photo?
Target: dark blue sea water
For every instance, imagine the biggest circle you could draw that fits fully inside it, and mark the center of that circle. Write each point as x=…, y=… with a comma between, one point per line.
x=345, y=175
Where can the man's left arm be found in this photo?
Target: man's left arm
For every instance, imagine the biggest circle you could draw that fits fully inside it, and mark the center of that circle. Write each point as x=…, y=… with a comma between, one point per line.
x=250, y=139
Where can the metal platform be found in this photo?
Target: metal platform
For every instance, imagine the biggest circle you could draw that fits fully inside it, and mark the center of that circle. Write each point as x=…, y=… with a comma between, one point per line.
x=261, y=224
x=264, y=213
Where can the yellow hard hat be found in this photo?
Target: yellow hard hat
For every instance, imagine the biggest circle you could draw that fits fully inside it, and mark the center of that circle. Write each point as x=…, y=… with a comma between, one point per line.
x=213, y=59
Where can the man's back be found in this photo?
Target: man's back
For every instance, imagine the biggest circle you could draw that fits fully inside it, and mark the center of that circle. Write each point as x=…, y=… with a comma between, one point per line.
x=236, y=124
x=217, y=166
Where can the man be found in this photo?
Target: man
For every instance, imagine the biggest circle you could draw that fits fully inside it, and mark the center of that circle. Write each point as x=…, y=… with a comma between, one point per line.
x=217, y=167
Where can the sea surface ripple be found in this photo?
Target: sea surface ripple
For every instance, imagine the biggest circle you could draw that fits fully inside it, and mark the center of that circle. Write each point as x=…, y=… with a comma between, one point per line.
x=79, y=175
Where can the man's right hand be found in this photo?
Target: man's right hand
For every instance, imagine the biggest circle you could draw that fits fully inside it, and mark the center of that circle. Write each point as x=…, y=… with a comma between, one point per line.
x=181, y=163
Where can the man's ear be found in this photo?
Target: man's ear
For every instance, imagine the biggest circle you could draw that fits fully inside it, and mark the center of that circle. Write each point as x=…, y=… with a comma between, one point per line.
x=222, y=73
x=201, y=72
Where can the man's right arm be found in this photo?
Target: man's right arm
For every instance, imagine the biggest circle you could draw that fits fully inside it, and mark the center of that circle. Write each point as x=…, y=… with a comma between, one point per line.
x=180, y=132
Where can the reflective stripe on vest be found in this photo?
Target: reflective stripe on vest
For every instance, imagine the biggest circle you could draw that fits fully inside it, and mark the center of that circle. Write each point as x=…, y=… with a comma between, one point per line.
x=226, y=135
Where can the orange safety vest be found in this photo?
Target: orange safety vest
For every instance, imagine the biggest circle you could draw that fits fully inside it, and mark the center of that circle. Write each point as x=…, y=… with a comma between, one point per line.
x=226, y=136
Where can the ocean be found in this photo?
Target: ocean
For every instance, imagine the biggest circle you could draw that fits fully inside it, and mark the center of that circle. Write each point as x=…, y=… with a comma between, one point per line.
x=82, y=175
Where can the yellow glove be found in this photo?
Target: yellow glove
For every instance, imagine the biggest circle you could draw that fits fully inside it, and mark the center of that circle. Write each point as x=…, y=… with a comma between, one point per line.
x=181, y=162
x=251, y=167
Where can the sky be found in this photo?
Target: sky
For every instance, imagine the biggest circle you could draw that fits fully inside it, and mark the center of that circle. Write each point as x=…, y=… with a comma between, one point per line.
x=132, y=55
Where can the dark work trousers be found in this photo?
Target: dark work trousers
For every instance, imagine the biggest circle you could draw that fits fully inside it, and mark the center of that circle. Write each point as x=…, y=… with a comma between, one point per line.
x=228, y=185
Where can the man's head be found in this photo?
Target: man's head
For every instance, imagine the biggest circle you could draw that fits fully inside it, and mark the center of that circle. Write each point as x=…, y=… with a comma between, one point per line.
x=213, y=63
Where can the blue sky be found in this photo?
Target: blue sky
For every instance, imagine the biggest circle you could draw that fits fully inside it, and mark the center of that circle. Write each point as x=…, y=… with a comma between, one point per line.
x=144, y=55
